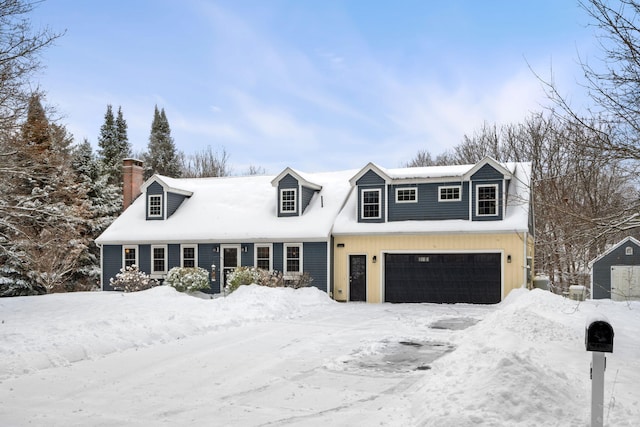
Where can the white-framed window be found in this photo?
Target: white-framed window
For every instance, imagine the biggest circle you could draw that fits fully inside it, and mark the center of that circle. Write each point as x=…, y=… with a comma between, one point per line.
x=158, y=259
x=130, y=256
x=263, y=256
x=154, y=206
x=189, y=256
x=628, y=250
x=288, y=200
x=370, y=204
x=487, y=200
x=292, y=258
x=450, y=193
x=406, y=195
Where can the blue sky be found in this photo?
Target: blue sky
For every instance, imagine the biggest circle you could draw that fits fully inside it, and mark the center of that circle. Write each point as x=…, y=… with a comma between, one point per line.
x=315, y=85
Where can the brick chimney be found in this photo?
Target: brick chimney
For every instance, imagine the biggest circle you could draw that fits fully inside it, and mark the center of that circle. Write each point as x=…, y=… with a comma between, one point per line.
x=132, y=180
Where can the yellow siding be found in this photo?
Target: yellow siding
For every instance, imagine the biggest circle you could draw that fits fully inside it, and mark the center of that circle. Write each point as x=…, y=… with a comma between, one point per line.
x=518, y=245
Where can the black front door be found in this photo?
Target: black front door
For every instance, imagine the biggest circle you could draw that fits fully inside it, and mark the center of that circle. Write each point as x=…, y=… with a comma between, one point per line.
x=357, y=277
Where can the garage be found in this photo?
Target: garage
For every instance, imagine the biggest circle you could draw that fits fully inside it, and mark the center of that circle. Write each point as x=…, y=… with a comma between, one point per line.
x=443, y=278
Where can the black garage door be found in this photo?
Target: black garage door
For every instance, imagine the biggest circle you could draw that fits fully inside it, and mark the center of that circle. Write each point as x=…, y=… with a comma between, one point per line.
x=443, y=278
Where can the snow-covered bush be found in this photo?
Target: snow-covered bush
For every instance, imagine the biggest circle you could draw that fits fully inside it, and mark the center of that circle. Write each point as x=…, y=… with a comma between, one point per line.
x=250, y=275
x=131, y=279
x=188, y=279
x=241, y=276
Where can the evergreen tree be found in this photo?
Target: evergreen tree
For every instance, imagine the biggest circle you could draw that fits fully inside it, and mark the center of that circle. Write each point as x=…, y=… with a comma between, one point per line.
x=105, y=203
x=114, y=145
x=44, y=230
x=161, y=157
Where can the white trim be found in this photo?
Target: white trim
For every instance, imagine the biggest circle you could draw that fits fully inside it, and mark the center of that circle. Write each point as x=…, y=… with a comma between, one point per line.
x=255, y=254
x=302, y=181
x=159, y=273
x=362, y=191
x=285, y=271
x=443, y=187
x=101, y=267
x=134, y=247
x=295, y=201
x=195, y=253
x=628, y=250
x=160, y=205
x=413, y=189
x=497, y=200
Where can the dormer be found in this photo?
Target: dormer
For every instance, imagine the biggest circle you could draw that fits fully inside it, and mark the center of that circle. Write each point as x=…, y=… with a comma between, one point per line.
x=459, y=192
x=371, y=183
x=162, y=198
x=294, y=192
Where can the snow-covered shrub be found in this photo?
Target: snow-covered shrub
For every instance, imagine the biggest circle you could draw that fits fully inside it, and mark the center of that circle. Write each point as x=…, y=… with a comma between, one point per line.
x=273, y=279
x=188, y=279
x=241, y=276
x=131, y=279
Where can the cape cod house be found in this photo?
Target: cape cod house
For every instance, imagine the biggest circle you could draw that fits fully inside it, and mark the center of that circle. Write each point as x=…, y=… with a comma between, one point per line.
x=432, y=234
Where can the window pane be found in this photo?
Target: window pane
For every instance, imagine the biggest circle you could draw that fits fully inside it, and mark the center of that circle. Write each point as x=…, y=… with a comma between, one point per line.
x=370, y=204
x=263, y=257
x=189, y=257
x=288, y=202
x=129, y=257
x=293, y=258
x=158, y=259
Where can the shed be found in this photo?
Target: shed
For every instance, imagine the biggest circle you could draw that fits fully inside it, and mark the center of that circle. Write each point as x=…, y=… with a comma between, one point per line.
x=615, y=274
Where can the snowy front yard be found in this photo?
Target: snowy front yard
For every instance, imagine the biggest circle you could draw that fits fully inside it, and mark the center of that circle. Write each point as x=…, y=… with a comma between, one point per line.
x=293, y=357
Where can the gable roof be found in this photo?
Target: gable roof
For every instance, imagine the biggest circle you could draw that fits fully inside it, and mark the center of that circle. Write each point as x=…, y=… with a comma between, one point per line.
x=303, y=179
x=232, y=209
x=170, y=185
x=614, y=247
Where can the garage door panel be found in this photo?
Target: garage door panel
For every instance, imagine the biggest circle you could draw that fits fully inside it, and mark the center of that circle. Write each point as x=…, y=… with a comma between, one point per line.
x=443, y=278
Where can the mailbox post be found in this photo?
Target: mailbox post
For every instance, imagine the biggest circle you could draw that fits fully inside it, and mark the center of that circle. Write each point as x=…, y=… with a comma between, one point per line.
x=598, y=339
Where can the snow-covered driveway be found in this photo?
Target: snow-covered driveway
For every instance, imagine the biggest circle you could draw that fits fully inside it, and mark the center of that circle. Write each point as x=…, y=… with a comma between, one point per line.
x=284, y=357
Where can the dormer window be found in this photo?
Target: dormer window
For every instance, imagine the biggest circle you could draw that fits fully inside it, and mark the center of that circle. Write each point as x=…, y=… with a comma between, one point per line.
x=370, y=204
x=487, y=200
x=154, y=206
x=288, y=202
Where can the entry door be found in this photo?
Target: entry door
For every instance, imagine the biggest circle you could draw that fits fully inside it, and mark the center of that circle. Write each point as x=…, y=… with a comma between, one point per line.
x=625, y=282
x=357, y=277
x=230, y=261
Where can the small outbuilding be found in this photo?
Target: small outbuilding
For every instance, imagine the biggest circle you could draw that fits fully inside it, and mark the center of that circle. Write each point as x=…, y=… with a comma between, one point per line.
x=615, y=274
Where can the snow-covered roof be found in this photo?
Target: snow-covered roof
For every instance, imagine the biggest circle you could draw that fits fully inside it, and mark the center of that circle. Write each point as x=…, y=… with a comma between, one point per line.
x=237, y=209
x=515, y=219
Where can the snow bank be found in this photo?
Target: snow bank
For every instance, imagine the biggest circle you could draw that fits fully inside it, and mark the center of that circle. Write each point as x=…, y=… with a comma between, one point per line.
x=524, y=364
x=58, y=329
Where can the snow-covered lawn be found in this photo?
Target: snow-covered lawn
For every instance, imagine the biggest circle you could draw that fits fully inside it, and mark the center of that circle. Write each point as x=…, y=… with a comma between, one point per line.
x=293, y=357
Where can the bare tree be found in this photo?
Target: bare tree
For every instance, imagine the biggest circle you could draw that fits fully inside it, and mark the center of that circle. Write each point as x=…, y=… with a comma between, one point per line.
x=206, y=163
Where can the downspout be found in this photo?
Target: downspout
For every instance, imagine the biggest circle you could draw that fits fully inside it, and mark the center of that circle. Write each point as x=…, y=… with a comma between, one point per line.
x=101, y=266
x=524, y=277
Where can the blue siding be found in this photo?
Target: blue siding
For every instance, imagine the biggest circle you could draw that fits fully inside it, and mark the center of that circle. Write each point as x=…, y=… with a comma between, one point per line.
x=601, y=278
x=307, y=195
x=247, y=258
x=370, y=178
x=154, y=189
x=314, y=258
x=173, y=203
x=173, y=253
x=487, y=172
x=288, y=182
x=499, y=205
x=206, y=258
x=278, y=263
x=428, y=207
x=144, y=258
x=111, y=264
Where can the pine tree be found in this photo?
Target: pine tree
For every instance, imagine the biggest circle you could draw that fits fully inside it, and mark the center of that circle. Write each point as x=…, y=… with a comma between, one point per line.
x=114, y=145
x=105, y=203
x=44, y=230
x=161, y=157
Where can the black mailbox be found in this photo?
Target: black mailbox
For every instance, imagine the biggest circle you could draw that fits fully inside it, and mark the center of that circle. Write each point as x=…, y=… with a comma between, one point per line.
x=598, y=336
